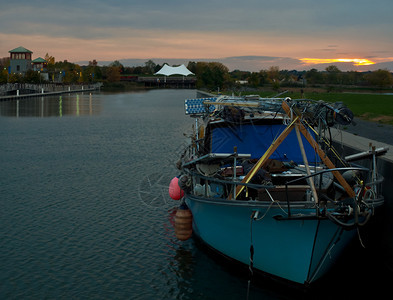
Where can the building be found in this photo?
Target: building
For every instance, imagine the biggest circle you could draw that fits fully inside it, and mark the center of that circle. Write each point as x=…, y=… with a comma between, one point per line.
x=39, y=64
x=20, y=60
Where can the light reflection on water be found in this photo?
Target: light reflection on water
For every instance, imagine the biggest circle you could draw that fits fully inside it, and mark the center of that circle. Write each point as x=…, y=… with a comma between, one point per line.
x=52, y=106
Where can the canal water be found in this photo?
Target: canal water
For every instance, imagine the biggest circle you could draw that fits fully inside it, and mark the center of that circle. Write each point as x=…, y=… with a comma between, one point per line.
x=85, y=212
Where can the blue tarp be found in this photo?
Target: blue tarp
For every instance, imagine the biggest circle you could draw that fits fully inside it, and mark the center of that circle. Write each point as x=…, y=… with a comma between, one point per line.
x=255, y=140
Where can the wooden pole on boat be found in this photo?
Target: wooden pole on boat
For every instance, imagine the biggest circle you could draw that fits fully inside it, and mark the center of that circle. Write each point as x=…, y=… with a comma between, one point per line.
x=321, y=153
x=260, y=163
x=305, y=160
x=327, y=161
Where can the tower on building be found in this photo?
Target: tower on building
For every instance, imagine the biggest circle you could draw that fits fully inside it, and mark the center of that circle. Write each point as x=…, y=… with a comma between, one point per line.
x=20, y=60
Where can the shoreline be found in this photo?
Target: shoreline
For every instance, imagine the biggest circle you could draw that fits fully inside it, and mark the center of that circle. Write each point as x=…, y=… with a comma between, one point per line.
x=64, y=90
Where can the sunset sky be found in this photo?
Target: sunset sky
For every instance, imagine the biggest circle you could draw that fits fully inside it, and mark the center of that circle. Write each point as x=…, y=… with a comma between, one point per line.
x=248, y=34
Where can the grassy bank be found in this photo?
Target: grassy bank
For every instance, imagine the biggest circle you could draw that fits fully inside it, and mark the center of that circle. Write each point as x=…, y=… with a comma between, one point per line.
x=372, y=107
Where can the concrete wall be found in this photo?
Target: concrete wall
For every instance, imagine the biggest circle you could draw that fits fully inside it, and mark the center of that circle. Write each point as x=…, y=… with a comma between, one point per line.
x=379, y=234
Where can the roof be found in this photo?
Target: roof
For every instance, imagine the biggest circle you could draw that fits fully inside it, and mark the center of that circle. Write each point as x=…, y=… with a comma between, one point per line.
x=39, y=60
x=20, y=50
x=180, y=70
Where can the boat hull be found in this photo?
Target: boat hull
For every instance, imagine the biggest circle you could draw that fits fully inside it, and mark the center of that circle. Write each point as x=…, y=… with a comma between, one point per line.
x=298, y=249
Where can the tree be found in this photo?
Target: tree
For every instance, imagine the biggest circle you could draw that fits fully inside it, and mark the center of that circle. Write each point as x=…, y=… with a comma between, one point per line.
x=314, y=77
x=93, y=63
x=49, y=59
x=117, y=64
x=254, y=79
x=212, y=75
x=150, y=67
x=380, y=78
x=273, y=74
x=192, y=66
x=15, y=78
x=3, y=75
x=113, y=74
x=333, y=74
x=32, y=77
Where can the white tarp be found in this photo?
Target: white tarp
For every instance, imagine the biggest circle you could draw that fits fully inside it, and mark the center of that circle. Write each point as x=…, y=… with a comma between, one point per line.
x=180, y=70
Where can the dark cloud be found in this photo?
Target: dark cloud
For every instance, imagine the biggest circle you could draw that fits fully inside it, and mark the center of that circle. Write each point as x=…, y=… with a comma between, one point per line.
x=303, y=16
x=289, y=23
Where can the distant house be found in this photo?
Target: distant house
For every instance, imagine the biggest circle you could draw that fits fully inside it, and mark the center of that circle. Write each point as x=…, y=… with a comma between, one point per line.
x=20, y=60
x=39, y=64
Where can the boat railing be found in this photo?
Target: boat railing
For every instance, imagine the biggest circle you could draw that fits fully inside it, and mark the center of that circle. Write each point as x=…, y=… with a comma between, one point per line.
x=288, y=184
x=372, y=183
x=362, y=169
x=209, y=179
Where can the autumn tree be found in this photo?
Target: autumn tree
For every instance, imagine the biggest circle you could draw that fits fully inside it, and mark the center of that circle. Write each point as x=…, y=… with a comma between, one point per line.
x=333, y=75
x=113, y=73
x=380, y=78
x=49, y=59
x=212, y=75
x=273, y=74
x=118, y=65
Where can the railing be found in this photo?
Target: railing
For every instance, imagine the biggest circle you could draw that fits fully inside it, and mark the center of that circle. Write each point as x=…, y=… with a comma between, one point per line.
x=44, y=88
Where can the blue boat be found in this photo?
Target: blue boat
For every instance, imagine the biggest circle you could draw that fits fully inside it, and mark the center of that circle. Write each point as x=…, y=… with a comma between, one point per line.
x=265, y=186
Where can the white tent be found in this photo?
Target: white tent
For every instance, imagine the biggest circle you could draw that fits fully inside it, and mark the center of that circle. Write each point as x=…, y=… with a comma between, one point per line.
x=180, y=70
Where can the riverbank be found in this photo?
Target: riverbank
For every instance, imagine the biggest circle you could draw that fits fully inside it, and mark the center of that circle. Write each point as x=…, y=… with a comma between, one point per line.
x=19, y=91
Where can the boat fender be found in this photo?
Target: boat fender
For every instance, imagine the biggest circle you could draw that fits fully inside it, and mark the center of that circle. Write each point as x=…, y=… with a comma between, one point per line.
x=183, y=223
x=175, y=192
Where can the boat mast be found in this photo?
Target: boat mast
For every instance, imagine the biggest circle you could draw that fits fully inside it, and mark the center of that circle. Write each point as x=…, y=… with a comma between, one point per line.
x=309, y=179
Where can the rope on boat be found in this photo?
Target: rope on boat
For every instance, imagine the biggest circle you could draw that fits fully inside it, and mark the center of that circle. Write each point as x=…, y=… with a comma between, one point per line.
x=254, y=216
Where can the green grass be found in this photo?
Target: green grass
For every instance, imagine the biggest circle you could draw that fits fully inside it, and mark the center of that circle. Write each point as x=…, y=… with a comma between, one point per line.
x=373, y=107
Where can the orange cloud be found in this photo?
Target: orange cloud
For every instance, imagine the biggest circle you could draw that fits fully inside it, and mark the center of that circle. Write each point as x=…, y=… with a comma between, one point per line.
x=355, y=61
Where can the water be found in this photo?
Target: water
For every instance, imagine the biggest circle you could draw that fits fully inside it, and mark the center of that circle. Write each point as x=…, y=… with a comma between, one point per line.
x=85, y=212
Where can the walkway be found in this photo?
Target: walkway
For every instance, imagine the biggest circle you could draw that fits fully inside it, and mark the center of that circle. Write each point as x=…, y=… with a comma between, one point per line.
x=30, y=90
x=365, y=132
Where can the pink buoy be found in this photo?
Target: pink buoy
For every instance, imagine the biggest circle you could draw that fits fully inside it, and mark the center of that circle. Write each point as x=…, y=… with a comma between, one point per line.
x=175, y=192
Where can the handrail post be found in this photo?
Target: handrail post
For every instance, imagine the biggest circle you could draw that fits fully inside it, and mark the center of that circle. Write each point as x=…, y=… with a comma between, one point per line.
x=288, y=202
x=234, y=170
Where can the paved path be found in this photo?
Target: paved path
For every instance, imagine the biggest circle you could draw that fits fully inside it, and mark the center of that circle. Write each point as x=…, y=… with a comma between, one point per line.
x=364, y=133
x=373, y=130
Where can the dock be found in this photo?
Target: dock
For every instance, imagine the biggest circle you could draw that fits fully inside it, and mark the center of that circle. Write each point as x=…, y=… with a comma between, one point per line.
x=162, y=82
x=22, y=91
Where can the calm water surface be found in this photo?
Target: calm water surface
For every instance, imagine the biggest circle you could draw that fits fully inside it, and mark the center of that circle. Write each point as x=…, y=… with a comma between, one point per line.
x=85, y=211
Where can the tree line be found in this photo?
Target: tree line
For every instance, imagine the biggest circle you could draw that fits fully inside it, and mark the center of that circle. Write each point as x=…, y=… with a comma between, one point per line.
x=209, y=75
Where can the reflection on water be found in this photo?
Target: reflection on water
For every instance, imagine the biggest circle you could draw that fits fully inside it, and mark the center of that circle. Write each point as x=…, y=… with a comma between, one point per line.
x=53, y=106
x=85, y=210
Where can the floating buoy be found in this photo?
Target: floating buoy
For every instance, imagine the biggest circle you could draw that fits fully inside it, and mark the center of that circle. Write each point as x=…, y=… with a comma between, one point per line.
x=175, y=192
x=183, y=223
